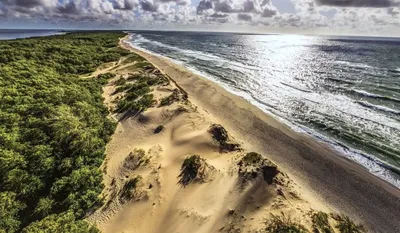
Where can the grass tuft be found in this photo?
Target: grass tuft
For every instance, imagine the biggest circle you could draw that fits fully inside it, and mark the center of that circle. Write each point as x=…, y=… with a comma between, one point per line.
x=189, y=170
x=320, y=222
x=346, y=225
x=194, y=168
x=283, y=224
x=136, y=159
x=253, y=165
x=121, y=81
x=129, y=190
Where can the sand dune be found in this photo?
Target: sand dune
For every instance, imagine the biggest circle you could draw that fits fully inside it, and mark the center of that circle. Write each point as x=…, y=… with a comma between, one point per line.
x=225, y=195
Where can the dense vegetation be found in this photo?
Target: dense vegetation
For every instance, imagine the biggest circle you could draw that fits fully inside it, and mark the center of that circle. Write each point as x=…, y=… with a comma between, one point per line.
x=137, y=88
x=53, y=130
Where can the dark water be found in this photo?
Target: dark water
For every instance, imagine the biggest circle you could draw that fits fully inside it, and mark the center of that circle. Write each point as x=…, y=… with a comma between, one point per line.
x=10, y=34
x=342, y=90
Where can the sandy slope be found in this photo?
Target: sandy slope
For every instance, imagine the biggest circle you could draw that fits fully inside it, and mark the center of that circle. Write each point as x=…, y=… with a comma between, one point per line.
x=219, y=204
x=311, y=177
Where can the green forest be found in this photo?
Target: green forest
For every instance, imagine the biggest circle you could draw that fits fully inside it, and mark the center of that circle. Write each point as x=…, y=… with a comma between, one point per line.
x=54, y=129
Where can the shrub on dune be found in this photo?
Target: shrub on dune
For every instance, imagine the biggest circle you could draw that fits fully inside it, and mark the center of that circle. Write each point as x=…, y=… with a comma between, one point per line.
x=283, y=224
x=320, y=222
x=220, y=135
x=252, y=165
x=136, y=159
x=121, y=81
x=129, y=190
x=194, y=168
x=346, y=225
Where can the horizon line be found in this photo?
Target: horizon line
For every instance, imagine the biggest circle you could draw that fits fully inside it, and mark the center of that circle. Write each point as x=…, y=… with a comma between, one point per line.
x=206, y=31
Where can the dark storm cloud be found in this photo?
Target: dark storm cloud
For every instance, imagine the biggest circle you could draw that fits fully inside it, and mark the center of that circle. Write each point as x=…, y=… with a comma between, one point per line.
x=203, y=6
x=23, y=3
x=148, y=6
x=223, y=7
x=249, y=6
x=245, y=17
x=68, y=8
x=358, y=3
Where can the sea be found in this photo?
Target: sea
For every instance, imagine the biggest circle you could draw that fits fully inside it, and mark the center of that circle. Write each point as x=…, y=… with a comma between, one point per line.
x=344, y=91
x=10, y=34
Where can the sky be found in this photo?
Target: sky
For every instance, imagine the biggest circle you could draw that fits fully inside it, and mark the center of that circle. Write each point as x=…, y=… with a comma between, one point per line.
x=333, y=17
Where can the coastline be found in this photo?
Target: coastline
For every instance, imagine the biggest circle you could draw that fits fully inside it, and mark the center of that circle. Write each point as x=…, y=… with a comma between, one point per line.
x=343, y=184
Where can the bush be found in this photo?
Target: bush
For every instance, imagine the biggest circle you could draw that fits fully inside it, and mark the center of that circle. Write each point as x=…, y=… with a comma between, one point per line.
x=136, y=159
x=283, y=224
x=65, y=222
x=320, y=222
x=106, y=76
x=137, y=97
x=346, y=225
x=221, y=136
x=121, y=81
x=129, y=190
x=192, y=169
x=253, y=165
x=158, y=129
x=252, y=158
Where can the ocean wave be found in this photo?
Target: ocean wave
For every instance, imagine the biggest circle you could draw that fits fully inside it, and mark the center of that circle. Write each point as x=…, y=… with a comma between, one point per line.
x=375, y=96
x=355, y=65
x=340, y=81
x=192, y=53
x=296, y=88
x=379, y=107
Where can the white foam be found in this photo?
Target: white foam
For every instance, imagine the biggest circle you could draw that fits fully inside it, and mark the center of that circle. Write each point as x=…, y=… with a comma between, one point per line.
x=354, y=64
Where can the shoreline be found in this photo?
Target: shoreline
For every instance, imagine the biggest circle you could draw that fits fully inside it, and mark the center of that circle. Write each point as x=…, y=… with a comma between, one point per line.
x=343, y=184
x=373, y=164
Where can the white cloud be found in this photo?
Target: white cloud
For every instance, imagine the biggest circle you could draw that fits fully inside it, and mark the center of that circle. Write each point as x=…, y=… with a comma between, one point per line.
x=350, y=16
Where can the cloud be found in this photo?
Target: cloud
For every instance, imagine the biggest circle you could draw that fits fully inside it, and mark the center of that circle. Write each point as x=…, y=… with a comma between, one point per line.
x=203, y=6
x=149, y=5
x=358, y=3
x=27, y=3
x=219, y=15
x=125, y=4
x=269, y=12
x=392, y=12
x=177, y=2
x=244, y=17
x=223, y=6
x=333, y=15
x=68, y=8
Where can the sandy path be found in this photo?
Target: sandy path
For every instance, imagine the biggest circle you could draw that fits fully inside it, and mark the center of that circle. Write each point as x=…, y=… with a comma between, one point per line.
x=346, y=186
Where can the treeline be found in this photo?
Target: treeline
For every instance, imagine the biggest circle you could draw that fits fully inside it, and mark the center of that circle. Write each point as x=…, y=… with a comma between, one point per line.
x=53, y=130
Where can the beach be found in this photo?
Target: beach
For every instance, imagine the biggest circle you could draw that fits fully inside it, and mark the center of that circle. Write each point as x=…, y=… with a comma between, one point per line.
x=322, y=174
